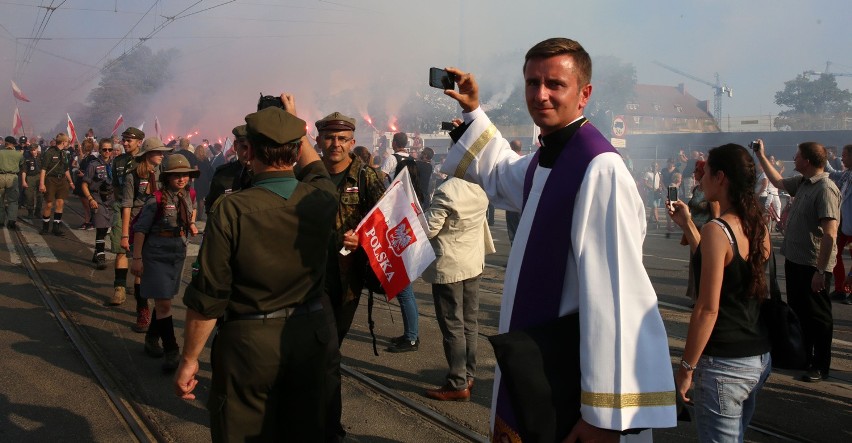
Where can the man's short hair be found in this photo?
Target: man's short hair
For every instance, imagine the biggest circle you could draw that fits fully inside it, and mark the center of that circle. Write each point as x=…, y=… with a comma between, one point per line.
x=184, y=143
x=427, y=154
x=814, y=153
x=516, y=145
x=400, y=140
x=564, y=46
x=104, y=141
x=847, y=149
x=61, y=137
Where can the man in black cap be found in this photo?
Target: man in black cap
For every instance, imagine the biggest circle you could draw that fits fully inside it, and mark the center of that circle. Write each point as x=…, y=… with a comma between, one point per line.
x=131, y=140
x=274, y=322
x=233, y=176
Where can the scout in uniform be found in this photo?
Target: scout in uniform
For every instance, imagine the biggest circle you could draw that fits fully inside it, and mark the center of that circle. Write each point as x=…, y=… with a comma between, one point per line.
x=159, y=252
x=131, y=140
x=96, y=187
x=11, y=162
x=55, y=182
x=233, y=176
x=139, y=186
x=29, y=181
x=274, y=321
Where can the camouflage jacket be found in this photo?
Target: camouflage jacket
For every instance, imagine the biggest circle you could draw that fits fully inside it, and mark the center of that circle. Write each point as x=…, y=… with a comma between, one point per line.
x=359, y=190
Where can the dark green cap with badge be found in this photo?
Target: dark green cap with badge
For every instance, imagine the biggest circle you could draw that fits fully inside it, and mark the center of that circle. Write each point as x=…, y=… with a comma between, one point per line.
x=276, y=124
x=132, y=132
x=336, y=122
x=239, y=132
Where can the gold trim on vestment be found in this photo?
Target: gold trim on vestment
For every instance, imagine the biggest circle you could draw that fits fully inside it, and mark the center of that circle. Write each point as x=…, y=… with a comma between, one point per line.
x=618, y=401
x=503, y=433
x=474, y=150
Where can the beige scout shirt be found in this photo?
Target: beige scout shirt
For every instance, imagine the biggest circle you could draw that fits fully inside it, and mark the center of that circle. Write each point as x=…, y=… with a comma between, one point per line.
x=817, y=198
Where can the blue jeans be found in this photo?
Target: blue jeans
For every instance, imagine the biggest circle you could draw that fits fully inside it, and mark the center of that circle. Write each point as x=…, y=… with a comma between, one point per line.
x=408, y=306
x=725, y=395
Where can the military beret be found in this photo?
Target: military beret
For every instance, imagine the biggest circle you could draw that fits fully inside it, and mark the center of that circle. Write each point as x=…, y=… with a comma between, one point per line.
x=336, y=122
x=276, y=124
x=133, y=133
x=239, y=131
x=10, y=139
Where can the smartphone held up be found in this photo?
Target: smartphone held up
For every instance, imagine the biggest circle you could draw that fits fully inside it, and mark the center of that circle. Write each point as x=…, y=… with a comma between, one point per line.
x=672, y=196
x=441, y=79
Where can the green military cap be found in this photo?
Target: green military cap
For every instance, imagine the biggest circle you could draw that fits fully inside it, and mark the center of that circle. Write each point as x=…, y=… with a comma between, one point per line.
x=152, y=144
x=10, y=139
x=239, y=131
x=276, y=124
x=336, y=122
x=132, y=132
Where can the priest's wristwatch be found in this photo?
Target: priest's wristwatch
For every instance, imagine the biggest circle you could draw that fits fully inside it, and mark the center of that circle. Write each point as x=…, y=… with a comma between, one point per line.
x=686, y=365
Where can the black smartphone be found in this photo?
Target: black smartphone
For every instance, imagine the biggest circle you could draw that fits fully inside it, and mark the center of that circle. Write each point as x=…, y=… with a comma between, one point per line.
x=441, y=79
x=672, y=193
x=447, y=126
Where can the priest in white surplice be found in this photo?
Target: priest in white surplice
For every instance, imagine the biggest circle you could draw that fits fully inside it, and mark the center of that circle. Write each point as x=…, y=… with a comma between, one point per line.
x=626, y=374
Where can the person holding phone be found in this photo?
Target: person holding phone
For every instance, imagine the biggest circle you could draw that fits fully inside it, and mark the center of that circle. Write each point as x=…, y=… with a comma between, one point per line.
x=726, y=355
x=581, y=216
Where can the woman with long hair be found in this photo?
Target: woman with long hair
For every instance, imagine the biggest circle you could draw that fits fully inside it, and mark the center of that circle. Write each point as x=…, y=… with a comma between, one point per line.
x=726, y=354
x=139, y=185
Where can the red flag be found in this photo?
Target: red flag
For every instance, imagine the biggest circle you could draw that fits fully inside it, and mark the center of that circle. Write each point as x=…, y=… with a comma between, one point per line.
x=394, y=236
x=17, y=123
x=157, y=127
x=71, y=131
x=117, y=124
x=16, y=91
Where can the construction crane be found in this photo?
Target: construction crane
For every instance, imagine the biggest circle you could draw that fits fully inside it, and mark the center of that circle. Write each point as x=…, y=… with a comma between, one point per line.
x=827, y=69
x=718, y=90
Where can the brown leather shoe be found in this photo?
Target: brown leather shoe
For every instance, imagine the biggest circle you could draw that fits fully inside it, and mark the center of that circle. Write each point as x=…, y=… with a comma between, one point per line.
x=470, y=385
x=143, y=320
x=447, y=393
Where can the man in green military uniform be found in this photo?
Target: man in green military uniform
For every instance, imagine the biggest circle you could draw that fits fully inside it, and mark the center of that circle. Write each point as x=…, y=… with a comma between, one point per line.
x=262, y=265
x=56, y=183
x=11, y=162
x=131, y=140
x=360, y=186
x=29, y=181
x=233, y=176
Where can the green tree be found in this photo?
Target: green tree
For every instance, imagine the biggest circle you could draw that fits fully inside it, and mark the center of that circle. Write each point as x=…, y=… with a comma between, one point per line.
x=126, y=87
x=813, y=104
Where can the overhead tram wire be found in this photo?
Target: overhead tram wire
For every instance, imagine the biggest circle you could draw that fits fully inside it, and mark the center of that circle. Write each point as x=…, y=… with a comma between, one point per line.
x=29, y=52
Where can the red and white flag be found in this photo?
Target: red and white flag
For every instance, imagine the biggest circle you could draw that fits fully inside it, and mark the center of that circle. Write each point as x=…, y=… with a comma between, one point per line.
x=157, y=127
x=17, y=123
x=117, y=124
x=16, y=91
x=71, y=131
x=228, y=148
x=394, y=236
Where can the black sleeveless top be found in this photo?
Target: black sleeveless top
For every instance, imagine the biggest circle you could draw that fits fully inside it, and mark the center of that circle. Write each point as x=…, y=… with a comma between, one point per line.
x=739, y=331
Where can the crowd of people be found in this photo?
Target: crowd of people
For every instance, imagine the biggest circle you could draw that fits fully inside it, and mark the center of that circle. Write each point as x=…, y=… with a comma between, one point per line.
x=576, y=253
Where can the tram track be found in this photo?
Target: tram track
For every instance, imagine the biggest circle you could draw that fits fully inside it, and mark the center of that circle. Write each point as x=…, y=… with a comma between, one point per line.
x=137, y=421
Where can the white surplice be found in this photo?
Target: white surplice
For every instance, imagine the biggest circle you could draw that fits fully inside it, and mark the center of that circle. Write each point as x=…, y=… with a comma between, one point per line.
x=627, y=379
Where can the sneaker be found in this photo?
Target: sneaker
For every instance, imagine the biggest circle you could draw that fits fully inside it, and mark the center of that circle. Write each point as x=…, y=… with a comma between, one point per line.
x=152, y=346
x=100, y=262
x=45, y=229
x=812, y=376
x=143, y=320
x=91, y=227
x=847, y=300
x=838, y=295
x=83, y=226
x=404, y=346
x=118, y=296
x=172, y=361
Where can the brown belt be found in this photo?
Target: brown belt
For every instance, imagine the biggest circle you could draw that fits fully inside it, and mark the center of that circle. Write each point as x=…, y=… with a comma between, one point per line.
x=171, y=234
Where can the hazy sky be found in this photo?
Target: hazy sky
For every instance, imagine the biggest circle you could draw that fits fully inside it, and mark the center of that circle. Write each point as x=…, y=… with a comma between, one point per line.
x=231, y=52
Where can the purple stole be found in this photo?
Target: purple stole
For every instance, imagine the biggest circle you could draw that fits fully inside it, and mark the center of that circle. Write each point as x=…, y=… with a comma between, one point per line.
x=539, y=291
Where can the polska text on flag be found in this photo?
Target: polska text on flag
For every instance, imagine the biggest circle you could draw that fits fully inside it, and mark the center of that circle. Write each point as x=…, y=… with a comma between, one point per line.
x=71, y=131
x=117, y=124
x=16, y=91
x=394, y=236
